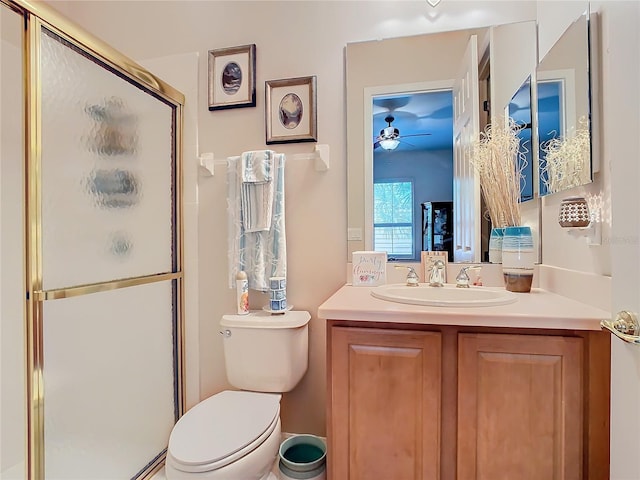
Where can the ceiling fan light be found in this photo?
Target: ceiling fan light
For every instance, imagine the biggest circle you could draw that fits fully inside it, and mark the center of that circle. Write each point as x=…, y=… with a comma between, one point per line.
x=389, y=143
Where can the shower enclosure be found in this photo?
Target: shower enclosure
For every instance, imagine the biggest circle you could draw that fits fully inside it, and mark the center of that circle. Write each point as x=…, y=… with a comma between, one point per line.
x=91, y=284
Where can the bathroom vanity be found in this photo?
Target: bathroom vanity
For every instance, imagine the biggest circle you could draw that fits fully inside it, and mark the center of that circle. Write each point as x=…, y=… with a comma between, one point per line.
x=500, y=392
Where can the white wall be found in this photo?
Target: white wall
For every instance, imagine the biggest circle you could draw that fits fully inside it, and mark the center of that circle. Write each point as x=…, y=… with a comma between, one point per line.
x=621, y=124
x=312, y=44
x=12, y=333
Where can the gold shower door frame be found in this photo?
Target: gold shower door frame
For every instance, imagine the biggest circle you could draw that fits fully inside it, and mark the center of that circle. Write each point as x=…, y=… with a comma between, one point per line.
x=36, y=16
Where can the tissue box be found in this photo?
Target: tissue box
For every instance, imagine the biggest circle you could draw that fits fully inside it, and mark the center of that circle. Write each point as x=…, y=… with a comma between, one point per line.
x=369, y=268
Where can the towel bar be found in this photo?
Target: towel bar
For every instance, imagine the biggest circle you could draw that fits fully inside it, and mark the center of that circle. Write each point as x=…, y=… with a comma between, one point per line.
x=320, y=155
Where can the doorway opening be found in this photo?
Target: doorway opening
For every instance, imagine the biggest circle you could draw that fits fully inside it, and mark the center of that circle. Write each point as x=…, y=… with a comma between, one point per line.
x=412, y=145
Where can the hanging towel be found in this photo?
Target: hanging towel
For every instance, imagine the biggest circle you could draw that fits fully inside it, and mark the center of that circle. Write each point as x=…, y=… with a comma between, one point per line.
x=256, y=166
x=260, y=253
x=257, y=189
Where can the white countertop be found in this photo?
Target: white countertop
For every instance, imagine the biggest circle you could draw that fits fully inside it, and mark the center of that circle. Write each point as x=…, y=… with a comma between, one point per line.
x=537, y=309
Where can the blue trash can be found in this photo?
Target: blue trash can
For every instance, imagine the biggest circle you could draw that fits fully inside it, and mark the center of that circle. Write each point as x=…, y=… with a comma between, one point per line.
x=303, y=457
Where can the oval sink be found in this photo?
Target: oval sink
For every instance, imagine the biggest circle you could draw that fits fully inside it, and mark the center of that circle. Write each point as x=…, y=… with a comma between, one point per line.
x=447, y=296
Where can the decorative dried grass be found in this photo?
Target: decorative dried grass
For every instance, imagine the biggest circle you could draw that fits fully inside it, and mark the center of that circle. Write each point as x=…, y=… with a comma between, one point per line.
x=567, y=160
x=499, y=161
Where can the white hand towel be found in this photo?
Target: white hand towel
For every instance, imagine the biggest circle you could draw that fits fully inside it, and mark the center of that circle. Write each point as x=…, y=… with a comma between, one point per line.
x=256, y=166
x=256, y=190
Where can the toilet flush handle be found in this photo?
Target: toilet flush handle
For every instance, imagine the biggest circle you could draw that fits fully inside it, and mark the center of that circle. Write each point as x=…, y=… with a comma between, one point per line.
x=225, y=333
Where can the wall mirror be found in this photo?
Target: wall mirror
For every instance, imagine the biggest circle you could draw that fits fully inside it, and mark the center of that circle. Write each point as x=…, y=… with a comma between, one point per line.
x=564, y=111
x=521, y=112
x=400, y=135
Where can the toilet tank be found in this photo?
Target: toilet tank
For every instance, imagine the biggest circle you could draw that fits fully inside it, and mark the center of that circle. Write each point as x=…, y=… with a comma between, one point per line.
x=264, y=352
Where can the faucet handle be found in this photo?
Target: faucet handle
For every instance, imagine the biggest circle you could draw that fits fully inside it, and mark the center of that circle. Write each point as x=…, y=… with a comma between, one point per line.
x=462, y=279
x=412, y=276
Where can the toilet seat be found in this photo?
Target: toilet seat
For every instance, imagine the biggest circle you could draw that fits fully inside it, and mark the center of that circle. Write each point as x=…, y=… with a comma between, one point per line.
x=222, y=429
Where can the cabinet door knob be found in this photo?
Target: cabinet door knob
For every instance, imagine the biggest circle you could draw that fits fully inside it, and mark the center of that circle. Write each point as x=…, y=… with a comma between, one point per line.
x=625, y=326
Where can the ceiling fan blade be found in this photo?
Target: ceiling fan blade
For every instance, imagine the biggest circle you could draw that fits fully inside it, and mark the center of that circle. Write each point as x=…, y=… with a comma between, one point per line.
x=404, y=142
x=376, y=145
x=415, y=135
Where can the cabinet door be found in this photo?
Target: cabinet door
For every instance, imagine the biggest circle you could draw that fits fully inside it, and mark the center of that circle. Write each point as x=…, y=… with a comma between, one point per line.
x=519, y=407
x=384, y=404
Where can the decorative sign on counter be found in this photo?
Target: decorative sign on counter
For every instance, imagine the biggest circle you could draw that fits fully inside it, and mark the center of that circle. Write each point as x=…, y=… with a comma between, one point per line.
x=369, y=268
x=426, y=262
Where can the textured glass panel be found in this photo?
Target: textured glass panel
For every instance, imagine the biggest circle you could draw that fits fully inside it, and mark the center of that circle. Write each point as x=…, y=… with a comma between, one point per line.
x=12, y=334
x=108, y=381
x=106, y=173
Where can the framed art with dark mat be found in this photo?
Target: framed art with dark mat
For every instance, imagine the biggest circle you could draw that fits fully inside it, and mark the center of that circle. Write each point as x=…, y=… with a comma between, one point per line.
x=232, y=77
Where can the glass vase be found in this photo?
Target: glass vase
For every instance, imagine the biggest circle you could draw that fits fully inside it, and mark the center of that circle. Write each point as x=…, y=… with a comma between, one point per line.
x=495, y=245
x=518, y=259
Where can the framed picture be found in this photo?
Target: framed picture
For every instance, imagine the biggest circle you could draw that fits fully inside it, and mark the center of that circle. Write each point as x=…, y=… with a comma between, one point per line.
x=232, y=77
x=291, y=110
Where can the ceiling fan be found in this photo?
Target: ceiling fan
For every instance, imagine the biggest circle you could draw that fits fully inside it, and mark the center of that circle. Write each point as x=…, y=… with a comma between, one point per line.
x=390, y=137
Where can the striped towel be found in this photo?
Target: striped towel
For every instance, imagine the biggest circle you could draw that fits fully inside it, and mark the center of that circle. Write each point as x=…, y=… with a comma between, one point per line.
x=262, y=253
x=257, y=189
x=256, y=166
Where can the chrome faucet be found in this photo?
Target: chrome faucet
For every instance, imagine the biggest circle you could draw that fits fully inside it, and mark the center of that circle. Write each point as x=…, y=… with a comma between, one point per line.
x=412, y=276
x=436, y=276
x=463, y=280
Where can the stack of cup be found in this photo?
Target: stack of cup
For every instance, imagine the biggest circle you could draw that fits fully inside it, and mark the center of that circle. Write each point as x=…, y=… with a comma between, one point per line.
x=278, y=294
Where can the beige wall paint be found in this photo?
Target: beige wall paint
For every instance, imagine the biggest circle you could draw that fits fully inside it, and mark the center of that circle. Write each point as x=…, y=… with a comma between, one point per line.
x=293, y=39
x=12, y=244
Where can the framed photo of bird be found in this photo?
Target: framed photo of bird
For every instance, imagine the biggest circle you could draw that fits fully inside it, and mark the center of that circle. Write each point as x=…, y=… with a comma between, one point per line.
x=232, y=77
x=290, y=111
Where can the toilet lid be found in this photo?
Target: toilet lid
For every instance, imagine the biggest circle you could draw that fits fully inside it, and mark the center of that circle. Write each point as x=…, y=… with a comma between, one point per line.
x=222, y=425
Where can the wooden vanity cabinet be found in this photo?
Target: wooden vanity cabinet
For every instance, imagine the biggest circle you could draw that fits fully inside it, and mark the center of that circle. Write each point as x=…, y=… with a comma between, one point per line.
x=418, y=402
x=385, y=403
x=519, y=406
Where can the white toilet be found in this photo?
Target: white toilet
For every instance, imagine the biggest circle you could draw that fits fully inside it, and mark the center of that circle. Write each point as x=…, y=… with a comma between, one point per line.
x=235, y=435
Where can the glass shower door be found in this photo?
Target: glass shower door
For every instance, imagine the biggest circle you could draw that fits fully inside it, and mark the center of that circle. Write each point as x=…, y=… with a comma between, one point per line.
x=108, y=265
